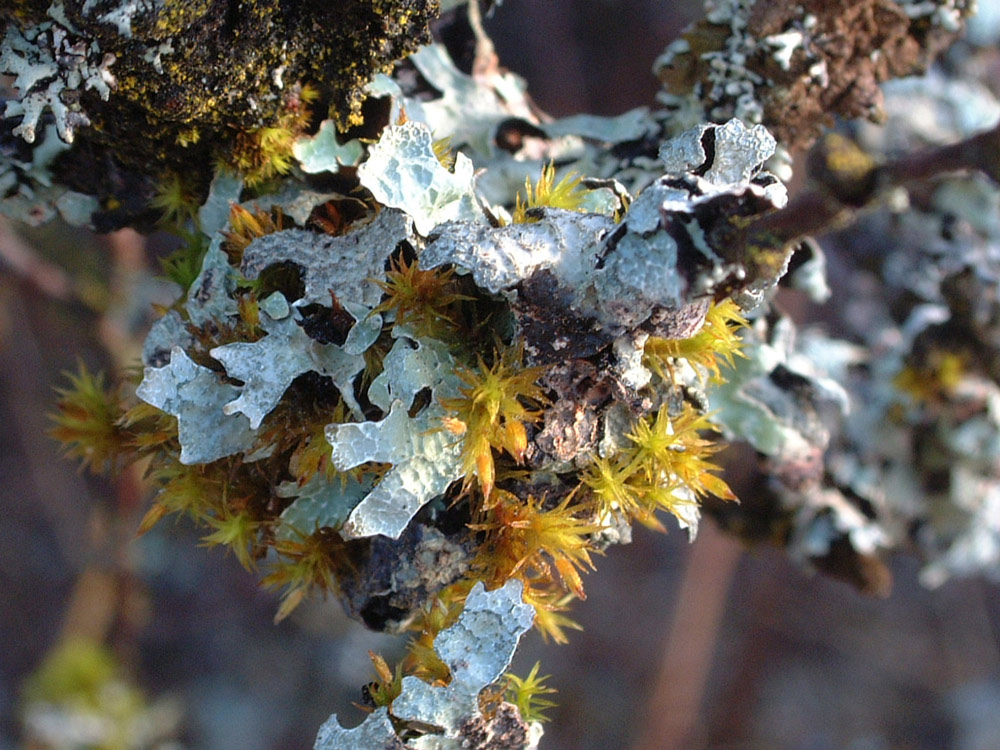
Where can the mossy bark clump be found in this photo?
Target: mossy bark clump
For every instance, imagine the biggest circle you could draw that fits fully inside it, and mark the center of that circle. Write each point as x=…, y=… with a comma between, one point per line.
x=805, y=63
x=199, y=82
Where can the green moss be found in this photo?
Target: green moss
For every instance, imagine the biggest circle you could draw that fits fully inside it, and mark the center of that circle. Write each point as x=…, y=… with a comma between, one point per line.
x=232, y=77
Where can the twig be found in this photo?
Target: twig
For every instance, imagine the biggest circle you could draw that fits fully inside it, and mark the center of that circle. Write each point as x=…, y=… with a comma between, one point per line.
x=672, y=712
x=849, y=180
x=16, y=254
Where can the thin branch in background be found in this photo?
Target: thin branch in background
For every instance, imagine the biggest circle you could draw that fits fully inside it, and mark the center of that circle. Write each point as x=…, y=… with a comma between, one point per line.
x=672, y=711
x=20, y=257
x=849, y=180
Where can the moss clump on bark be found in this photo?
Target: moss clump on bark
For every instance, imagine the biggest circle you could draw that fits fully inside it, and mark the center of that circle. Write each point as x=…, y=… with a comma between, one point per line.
x=197, y=80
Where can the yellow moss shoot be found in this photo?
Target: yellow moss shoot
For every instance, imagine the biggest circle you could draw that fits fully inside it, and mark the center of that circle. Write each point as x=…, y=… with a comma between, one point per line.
x=550, y=602
x=420, y=299
x=938, y=377
x=438, y=614
x=666, y=467
x=303, y=564
x=527, y=694
x=496, y=402
x=264, y=153
x=566, y=194
x=195, y=491
x=235, y=530
x=527, y=541
x=312, y=455
x=443, y=152
x=248, y=309
x=611, y=480
x=716, y=344
x=176, y=198
x=246, y=226
x=87, y=421
x=148, y=428
x=387, y=685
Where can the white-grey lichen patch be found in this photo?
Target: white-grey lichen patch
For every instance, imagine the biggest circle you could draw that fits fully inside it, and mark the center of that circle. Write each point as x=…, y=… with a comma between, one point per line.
x=403, y=172
x=564, y=242
x=411, y=366
x=120, y=14
x=321, y=503
x=154, y=55
x=294, y=199
x=748, y=406
x=469, y=109
x=426, y=459
x=324, y=152
x=684, y=152
x=945, y=13
x=268, y=367
x=729, y=88
x=51, y=66
x=629, y=126
x=824, y=516
x=619, y=278
x=275, y=306
x=210, y=298
x=213, y=215
x=737, y=155
x=739, y=152
x=784, y=46
x=166, y=333
x=345, y=265
x=477, y=650
x=196, y=396
x=374, y=733
x=29, y=191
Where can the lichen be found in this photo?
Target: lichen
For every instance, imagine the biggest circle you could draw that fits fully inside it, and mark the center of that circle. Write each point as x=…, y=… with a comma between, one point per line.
x=109, y=69
x=788, y=67
x=196, y=396
x=402, y=171
x=456, y=348
x=268, y=367
x=425, y=459
x=477, y=650
x=53, y=64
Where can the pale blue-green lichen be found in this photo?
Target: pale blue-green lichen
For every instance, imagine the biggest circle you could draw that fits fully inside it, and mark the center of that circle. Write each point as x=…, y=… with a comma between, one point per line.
x=477, y=650
x=324, y=152
x=30, y=192
x=345, y=265
x=321, y=503
x=51, y=64
x=564, y=242
x=619, y=276
x=738, y=152
x=213, y=215
x=468, y=110
x=196, y=396
x=402, y=171
x=268, y=367
x=633, y=125
x=425, y=458
x=210, y=297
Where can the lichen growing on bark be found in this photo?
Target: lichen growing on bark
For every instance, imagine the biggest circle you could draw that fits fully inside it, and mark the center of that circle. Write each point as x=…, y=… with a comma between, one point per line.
x=204, y=82
x=421, y=383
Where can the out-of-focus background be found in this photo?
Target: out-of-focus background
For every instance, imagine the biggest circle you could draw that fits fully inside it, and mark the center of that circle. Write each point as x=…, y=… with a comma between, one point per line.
x=684, y=645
